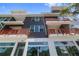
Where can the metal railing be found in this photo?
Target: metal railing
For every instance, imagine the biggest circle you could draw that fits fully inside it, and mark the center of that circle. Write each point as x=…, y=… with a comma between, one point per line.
x=15, y=31
x=2, y=19
x=63, y=31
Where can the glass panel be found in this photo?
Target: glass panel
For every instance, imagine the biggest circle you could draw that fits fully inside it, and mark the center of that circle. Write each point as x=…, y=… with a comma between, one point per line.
x=38, y=49
x=66, y=48
x=72, y=51
x=38, y=43
x=7, y=44
x=41, y=28
x=32, y=28
x=32, y=51
x=62, y=43
x=62, y=51
x=37, y=28
x=20, y=49
x=44, y=51
x=5, y=51
x=37, y=19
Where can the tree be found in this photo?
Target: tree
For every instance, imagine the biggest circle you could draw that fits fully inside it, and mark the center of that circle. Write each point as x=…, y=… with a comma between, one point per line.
x=68, y=10
x=72, y=12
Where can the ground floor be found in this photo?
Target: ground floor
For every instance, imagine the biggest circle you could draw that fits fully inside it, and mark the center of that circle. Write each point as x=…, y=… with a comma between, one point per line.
x=40, y=47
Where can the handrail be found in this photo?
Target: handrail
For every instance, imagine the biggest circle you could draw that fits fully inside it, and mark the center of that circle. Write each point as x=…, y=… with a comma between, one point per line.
x=63, y=31
x=14, y=31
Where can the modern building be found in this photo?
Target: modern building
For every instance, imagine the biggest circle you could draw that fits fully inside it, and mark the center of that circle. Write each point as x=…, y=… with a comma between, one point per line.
x=47, y=34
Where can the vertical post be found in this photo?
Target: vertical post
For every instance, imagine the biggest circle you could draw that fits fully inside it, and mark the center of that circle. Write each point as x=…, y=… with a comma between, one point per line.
x=14, y=49
x=76, y=44
x=25, y=49
x=52, y=48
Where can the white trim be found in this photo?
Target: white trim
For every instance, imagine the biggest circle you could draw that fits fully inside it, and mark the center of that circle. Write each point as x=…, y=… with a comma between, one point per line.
x=25, y=49
x=14, y=49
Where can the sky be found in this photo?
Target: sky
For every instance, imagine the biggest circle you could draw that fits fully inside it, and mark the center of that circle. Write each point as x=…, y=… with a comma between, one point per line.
x=6, y=8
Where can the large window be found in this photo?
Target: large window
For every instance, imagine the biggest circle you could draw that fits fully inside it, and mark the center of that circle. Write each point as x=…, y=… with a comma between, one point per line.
x=38, y=49
x=20, y=49
x=6, y=48
x=66, y=48
x=5, y=51
x=7, y=44
x=36, y=19
x=37, y=28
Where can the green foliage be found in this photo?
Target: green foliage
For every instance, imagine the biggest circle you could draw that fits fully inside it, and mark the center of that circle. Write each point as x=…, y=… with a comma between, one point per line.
x=66, y=10
x=72, y=51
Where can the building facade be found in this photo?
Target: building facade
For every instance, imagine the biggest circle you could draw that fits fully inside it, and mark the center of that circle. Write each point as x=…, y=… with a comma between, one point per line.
x=23, y=34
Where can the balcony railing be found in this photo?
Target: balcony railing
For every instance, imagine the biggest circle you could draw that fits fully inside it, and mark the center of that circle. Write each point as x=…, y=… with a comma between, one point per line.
x=63, y=31
x=14, y=31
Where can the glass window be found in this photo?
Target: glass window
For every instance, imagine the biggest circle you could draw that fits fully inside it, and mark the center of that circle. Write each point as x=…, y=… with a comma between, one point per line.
x=32, y=28
x=37, y=28
x=41, y=28
x=20, y=49
x=5, y=51
x=62, y=51
x=72, y=50
x=44, y=51
x=37, y=19
x=38, y=43
x=66, y=48
x=38, y=49
x=64, y=43
x=32, y=51
x=7, y=44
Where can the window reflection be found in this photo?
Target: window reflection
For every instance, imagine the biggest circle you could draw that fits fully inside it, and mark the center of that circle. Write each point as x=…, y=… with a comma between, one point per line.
x=5, y=51
x=66, y=48
x=20, y=49
x=38, y=49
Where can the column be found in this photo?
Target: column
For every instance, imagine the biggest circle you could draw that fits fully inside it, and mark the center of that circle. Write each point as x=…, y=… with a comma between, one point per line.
x=52, y=48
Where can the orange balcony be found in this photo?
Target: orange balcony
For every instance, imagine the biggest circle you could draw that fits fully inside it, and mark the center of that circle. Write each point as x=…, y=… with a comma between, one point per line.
x=14, y=31
x=63, y=31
